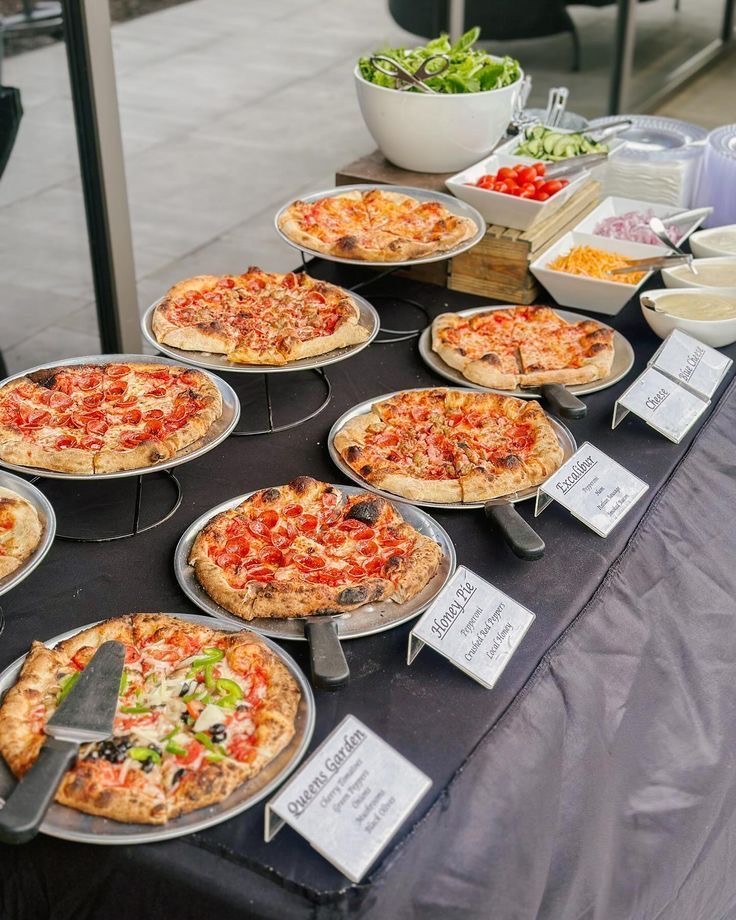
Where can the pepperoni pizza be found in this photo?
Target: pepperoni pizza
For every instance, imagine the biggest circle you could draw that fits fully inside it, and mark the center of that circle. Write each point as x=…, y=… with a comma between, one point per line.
x=306, y=548
x=102, y=418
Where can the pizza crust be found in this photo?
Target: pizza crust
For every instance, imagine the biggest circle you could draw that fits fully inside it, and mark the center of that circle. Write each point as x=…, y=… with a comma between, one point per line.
x=20, y=530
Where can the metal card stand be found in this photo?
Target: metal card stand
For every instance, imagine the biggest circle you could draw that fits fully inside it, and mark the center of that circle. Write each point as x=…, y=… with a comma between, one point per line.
x=137, y=509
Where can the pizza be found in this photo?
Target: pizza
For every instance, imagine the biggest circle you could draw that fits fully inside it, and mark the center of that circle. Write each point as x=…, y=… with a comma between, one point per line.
x=523, y=347
x=20, y=530
x=200, y=712
x=258, y=317
x=102, y=418
x=375, y=225
x=444, y=445
x=307, y=548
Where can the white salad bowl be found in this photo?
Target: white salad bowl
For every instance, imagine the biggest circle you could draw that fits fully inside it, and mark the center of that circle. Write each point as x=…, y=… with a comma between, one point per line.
x=714, y=332
x=435, y=133
x=680, y=276
x=709, y=243
x=591, y=293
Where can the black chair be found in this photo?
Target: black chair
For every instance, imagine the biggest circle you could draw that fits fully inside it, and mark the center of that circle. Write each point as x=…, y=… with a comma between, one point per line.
x=499, y=20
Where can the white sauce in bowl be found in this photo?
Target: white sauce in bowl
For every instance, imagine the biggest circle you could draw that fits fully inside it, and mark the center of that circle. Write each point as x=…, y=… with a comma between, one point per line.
x=722, y=239
x=723, y=275
x=698, y=306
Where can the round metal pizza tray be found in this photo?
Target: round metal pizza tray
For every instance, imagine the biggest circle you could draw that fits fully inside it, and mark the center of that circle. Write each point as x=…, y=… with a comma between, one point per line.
x=623, y=360
x=365, y=621
x=368, y=319
x=564, y=436
x=454, y=205
x=68, y=824
x=46, y=515
x=217, y=433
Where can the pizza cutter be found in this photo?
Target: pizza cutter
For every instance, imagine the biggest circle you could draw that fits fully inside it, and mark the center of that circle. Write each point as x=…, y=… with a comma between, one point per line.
x=86, y=713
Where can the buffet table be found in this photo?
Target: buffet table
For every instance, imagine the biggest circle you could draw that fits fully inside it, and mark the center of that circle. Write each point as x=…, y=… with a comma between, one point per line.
x=595, y=779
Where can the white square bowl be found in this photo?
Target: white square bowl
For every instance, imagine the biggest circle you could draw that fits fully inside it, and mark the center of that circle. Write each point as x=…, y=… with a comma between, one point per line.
x=591, y=293
x=679, y=277
x=614, y=206
x=599, y=172
x=507, y=210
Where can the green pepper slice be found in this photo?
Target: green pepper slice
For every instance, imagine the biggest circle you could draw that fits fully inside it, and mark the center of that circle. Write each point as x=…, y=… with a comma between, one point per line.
x=143, y=754
x=134, y=710
x=67, y=684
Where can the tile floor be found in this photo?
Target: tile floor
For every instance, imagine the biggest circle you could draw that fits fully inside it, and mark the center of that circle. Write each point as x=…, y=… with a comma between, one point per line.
x=219, y=129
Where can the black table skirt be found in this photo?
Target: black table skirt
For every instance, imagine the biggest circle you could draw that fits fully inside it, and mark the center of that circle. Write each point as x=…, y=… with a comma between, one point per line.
x=541, y=802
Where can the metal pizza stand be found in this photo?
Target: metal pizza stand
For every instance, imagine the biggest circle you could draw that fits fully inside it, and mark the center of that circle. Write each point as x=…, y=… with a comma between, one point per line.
x=453, y=205
x=324, y=632
x=101, y=503
x=273, y=375
x=69, y=824
x=563, y=399
x=521, y=538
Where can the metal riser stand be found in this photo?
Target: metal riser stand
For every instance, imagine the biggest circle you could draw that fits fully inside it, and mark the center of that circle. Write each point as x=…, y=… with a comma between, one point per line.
x=138, y=507
x=272, y=427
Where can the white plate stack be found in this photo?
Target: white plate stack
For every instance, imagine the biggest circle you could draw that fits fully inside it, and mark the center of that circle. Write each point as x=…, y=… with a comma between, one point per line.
x=717, y=182
x=660, y=161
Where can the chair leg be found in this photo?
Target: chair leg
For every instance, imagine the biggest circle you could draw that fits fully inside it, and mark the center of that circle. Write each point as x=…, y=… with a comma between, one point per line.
x=576, y=49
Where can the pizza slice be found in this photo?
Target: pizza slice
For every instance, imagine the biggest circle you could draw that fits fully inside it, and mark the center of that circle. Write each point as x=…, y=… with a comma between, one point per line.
x=20, y=530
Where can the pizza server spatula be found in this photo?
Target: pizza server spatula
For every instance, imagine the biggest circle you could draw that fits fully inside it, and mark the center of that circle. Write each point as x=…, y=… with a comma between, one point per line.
x=86, y=714
x=327, y=659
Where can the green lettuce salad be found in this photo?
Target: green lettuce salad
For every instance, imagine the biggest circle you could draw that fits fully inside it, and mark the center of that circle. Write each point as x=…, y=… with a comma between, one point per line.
x=470, y=71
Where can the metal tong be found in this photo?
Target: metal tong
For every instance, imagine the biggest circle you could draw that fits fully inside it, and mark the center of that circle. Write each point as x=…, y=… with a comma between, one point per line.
x=556, y=105
x=404, y=78
x=573, y=165
x=653, y=263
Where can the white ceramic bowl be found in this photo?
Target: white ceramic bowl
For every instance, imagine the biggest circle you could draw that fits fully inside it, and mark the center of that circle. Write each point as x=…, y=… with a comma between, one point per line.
x=439, y=133
x=679, y=277
x=507, y=210
x=715, y=332
x=590, y=293
x=614, y=206
x=705, y=243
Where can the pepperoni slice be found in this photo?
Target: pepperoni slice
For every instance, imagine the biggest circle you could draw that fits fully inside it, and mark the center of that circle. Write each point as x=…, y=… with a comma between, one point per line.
x=160, y=374
x=367, y=533
x=88, y=382
x=373, y=566
x=65, y=442
x=180, y=412
x=157, y=391
x=269, y=518
x=307, y=523
x=90, y=442
x=331, y=517
x=113, y=390
x=281, y=538
x=153, y=414
x=97, y=426
x=227, y=560
x=226, y=282
x=132, y=417
x=272, y=557
x=387, y=439
x=316, y=297
x=329, y=499
x=155, y=427
x=335, y=538
x=238, y=546
x=368, y=548
x=118, y=370
x=351, y=524
x=290, y=280
x=307, y=563
x=62, y=401
x=259, y=573
x=356, y=571
x=192, y=377
x=259, y=529
x=293, y=510
x=36, y=418
x=131, y=439
x=126, y=403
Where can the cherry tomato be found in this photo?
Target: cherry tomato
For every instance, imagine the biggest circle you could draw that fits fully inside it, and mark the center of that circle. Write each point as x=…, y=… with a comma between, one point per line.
x=505, y=172
x=541, y=196
x=540, y=169
x=552, y=186
x=526, y=174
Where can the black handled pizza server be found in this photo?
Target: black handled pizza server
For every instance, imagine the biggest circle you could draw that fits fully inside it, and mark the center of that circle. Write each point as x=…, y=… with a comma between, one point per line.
x=86, y=714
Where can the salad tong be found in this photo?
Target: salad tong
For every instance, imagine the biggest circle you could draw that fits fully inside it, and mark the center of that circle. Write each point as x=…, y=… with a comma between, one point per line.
x=404, y=78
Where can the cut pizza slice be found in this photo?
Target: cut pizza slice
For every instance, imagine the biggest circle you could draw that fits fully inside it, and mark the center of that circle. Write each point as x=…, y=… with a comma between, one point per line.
x=20, y=530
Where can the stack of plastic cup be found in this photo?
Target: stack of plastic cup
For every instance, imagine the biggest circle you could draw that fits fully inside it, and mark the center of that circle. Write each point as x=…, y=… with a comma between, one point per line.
x=717, y=182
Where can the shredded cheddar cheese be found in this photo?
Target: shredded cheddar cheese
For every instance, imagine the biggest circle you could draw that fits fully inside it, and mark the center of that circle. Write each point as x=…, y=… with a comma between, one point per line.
x=594, y=263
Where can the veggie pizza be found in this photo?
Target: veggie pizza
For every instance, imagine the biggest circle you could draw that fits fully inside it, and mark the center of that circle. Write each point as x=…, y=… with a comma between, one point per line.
x=200, y=712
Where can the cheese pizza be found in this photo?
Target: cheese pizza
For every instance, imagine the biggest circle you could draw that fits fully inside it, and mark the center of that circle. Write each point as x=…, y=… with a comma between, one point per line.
x=449, y=446
x=200, y=712
x=376, y=225
x=523, y=347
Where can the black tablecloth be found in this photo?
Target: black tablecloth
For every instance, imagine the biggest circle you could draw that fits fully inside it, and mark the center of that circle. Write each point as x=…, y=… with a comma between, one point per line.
x=534, y=810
